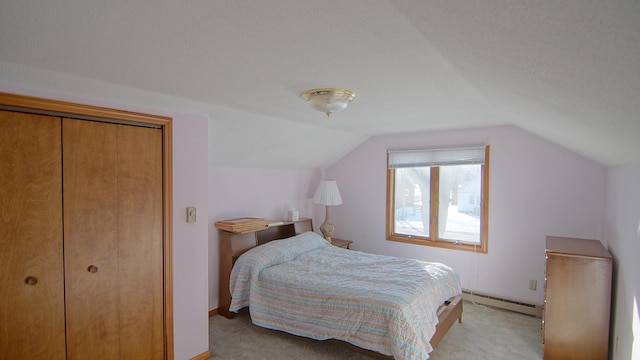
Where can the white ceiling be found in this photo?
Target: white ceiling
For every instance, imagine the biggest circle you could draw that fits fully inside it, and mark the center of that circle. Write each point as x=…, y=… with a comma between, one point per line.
x=567, y=70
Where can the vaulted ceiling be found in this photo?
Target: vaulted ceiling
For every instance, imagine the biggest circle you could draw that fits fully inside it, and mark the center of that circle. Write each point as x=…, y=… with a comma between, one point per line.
x=568, y=71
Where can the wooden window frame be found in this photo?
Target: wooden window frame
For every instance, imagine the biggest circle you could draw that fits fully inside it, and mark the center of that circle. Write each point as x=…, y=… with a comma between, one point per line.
x=432, y=239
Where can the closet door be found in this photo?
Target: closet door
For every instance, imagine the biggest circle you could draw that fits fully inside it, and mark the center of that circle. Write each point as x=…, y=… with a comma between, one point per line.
x=113, y=240
x=31, y=261
x=91, y=239
x=140, y=242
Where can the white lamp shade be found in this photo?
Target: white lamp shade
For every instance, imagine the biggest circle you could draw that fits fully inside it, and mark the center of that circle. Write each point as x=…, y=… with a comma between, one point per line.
x=327, y=193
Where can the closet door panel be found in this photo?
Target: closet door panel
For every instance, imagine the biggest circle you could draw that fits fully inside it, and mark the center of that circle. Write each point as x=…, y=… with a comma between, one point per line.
x=91, y=239
x=31, y=261
x=140, y=242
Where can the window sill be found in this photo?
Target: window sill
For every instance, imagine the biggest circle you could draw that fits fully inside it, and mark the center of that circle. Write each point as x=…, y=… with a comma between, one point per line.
x=439, y=244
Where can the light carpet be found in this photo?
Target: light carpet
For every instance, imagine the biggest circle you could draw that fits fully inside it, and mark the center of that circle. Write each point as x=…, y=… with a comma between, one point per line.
x=485, y=334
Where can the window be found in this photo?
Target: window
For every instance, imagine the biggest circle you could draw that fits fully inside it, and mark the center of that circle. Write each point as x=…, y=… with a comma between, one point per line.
x=439, y=197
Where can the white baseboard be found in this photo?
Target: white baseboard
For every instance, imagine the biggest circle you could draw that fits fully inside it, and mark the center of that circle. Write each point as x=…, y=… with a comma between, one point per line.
x=524, y=308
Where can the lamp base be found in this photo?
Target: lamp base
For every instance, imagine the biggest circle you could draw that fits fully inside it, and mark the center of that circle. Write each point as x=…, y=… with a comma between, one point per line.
x=327, y=229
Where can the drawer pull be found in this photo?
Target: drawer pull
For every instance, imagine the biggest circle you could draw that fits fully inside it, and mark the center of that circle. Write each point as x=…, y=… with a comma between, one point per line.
x=30, y=280
x=92, y=269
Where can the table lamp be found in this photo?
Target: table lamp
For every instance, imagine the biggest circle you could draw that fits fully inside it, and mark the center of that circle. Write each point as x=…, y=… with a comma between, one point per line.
x=327, y=194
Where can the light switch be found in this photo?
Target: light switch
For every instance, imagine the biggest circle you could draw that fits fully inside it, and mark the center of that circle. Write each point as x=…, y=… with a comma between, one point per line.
x=191, y=214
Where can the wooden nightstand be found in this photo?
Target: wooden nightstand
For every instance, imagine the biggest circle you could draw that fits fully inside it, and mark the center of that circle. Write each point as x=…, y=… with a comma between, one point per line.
x=341, y=243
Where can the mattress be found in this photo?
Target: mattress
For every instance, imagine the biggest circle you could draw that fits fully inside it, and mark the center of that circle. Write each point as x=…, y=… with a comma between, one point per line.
x=305, y=286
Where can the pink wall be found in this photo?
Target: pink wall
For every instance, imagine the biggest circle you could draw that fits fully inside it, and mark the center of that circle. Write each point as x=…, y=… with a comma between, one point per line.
x=190, y=245
x=536, y=189
x=265, y=193
x=190, y=308
x=623, y=236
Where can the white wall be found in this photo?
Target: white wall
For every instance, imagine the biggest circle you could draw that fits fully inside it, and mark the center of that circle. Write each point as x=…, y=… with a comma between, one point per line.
x=623, y=236
x=264, y=193
x=191, y=327
x=536, y=189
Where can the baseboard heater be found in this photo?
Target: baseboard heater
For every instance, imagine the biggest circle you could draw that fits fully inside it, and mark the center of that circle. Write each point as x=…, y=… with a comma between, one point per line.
x=517, y=306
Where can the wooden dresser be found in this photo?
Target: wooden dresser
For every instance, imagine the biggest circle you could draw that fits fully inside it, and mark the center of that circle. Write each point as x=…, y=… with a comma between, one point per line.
x=577, y=301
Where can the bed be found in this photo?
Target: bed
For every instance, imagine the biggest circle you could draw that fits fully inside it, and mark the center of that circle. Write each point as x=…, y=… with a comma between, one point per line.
x=304, y=286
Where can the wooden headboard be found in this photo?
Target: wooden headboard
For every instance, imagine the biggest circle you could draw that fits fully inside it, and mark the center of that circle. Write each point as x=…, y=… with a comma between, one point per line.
x=232, y=245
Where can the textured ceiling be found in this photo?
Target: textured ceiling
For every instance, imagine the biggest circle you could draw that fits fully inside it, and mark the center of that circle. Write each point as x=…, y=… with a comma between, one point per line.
x=567, y=70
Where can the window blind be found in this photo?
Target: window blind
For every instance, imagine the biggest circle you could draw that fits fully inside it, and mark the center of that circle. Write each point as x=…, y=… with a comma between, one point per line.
x=436, y=157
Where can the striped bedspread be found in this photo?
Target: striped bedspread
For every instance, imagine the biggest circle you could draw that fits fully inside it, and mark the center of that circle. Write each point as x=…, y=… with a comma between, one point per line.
x=305, y=286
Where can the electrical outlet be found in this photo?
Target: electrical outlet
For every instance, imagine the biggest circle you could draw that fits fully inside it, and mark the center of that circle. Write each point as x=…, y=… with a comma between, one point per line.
x=191, y=214
x=533, y=284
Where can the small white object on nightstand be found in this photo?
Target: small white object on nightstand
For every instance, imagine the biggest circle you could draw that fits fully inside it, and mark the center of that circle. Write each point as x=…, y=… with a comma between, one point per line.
x=293, y=215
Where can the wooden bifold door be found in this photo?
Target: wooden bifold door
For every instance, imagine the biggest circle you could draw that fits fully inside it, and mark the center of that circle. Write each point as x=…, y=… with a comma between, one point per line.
x=81, y=245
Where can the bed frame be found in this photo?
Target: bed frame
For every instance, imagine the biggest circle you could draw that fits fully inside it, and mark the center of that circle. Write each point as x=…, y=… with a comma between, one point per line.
x=232, y=245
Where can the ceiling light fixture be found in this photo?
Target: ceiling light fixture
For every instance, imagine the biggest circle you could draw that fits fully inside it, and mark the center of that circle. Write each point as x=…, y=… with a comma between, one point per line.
x=328, y=100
